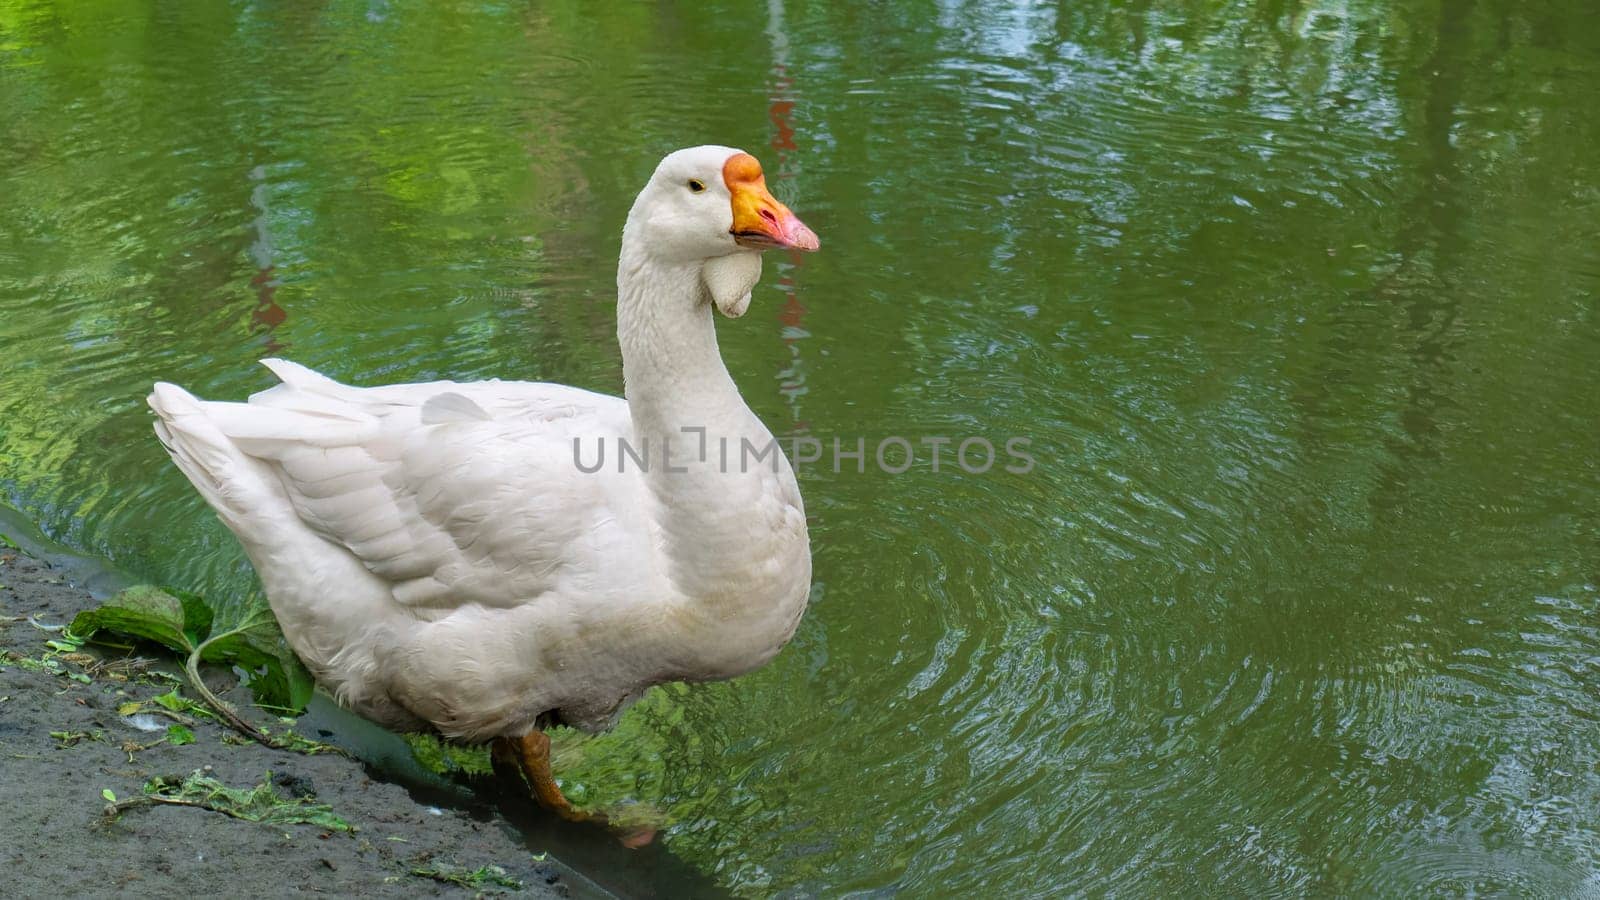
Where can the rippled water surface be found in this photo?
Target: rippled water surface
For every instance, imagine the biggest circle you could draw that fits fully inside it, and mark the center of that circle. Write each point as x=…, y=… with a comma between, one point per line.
x=1296, y=301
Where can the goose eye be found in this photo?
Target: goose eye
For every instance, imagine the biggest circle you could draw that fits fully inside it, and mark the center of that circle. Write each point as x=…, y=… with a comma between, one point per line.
x=697, y=186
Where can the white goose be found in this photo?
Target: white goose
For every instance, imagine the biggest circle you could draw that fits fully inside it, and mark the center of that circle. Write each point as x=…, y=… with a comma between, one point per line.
x=438, y=557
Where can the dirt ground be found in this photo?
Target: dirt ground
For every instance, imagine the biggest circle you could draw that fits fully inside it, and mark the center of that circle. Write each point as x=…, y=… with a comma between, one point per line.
x=63, y=742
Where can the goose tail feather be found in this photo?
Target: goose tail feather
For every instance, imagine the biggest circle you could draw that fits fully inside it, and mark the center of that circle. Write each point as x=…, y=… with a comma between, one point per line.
x=232, y=483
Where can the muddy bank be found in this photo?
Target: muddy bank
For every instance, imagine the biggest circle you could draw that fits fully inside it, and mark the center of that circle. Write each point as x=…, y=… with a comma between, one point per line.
x=66, y=737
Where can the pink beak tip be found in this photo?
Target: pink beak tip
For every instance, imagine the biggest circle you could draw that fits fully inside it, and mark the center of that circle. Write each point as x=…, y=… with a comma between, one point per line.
x=802, y=238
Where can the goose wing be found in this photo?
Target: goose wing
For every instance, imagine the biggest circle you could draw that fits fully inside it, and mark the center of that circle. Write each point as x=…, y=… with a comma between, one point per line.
x=453, y=493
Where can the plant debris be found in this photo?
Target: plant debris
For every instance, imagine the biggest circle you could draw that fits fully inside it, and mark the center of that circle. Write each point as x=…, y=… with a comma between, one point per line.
x=260, y=803
x=177, y=736
x=472, y=879
x=70, y=738
x=230, y=632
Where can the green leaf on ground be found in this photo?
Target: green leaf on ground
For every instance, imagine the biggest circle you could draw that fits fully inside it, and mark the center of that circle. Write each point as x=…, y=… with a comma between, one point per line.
x=197, y=614
x=235, y=631
x=178, y=703
x=47, y=665
x=143, y=612
x=472, y=879
x=178, y=735
x=256, y=804
x=245, y=634
x=68, y=643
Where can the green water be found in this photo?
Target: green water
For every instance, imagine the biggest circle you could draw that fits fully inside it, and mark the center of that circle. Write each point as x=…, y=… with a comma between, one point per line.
x=1298, y=303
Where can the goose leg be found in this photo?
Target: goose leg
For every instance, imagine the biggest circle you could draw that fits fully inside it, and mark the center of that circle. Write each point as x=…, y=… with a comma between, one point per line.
x=530, y=755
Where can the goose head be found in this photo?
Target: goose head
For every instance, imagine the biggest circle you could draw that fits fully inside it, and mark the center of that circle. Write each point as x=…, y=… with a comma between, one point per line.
x=709, y=207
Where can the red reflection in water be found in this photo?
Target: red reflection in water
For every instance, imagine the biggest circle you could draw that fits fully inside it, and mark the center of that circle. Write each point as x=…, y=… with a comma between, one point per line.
x=780, y=109
x=267, y=315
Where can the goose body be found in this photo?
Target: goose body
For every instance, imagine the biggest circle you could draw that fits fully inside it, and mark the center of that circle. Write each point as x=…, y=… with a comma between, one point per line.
x=440, y=557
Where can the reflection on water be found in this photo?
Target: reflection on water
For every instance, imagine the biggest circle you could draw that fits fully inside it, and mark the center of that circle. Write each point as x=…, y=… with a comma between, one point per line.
x=1296, y=299
x=786, y=168
x=267, y=315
